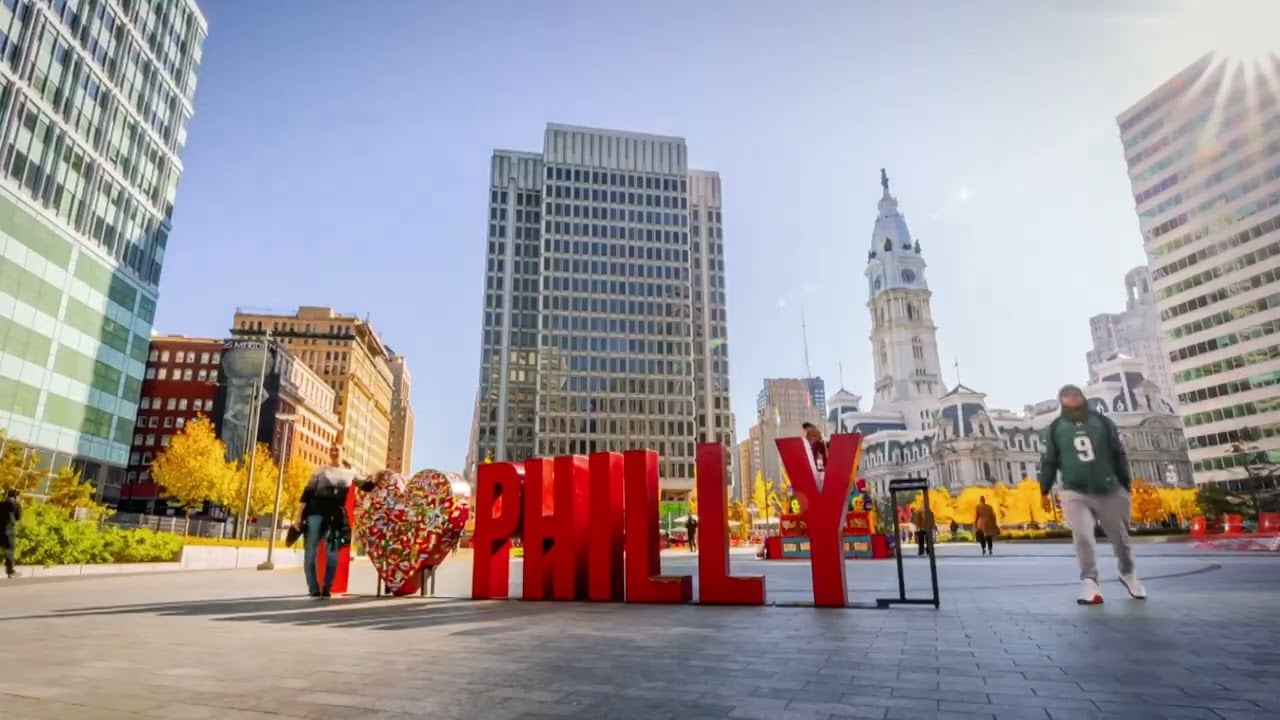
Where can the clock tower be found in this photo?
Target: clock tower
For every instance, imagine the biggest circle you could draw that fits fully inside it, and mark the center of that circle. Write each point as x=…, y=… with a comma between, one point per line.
x=904, y=340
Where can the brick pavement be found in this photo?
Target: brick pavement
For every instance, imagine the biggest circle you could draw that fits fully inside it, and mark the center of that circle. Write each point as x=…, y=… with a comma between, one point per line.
x=1009, y=642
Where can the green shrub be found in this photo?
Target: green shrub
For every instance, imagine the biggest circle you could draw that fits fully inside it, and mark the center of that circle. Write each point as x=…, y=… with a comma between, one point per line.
x=48, y=536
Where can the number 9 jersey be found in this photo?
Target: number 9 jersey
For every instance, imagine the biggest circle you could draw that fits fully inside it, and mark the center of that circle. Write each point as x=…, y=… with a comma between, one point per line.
x=1089, y=454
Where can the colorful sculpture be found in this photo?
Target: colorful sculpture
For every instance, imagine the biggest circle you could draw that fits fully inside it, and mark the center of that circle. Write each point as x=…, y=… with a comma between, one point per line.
x=408, y=525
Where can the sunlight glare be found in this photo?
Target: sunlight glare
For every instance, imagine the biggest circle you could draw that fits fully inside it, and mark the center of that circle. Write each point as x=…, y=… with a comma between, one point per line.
x=1242, y=31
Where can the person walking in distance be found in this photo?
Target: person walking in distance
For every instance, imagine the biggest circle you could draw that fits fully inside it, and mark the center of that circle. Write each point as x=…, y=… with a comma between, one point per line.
x=1085, y=447
x=691, y=527
x=925, y=525
x=985, y=525
x=10, y=514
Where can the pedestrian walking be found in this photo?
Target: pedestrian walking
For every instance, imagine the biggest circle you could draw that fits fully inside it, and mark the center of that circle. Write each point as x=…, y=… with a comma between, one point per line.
x=1084, y=446
x=691, y=527
x=925, y=526
x=322, y=520
x=985, y=525
x=10, y=514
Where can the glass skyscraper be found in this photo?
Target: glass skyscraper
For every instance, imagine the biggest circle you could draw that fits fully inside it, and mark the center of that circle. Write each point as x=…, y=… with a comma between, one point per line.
x=95, y=97
x=1203, y=152
x=604, y=314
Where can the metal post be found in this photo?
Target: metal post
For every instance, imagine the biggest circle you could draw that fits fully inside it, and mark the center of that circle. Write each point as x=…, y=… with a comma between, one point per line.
x=255, y=415
x=275, y=515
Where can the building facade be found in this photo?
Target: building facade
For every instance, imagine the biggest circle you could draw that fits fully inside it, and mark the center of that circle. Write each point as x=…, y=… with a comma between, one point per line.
x=917, y=427
x=179, y=384
x=1134, y=332
x=784, y=406
x=1203, y=152
x=184, y=380
x=347, y=353
x=589, y=327
x=400, y=450
x=95, y=99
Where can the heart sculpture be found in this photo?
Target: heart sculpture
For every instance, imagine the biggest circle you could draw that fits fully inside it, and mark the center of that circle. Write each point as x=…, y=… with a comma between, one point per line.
x=409, y=524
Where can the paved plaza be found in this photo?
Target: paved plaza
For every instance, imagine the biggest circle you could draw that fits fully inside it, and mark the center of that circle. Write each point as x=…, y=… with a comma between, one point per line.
x=1009, y=642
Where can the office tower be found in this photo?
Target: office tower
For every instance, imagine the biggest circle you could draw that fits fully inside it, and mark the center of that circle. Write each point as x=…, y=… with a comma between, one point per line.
x=785, y=404
x=589, y=331
x=94, y=105
x=710, y=314
x=1202, y=151
x=347, y=352
x=400, y=452
x=1134, y=332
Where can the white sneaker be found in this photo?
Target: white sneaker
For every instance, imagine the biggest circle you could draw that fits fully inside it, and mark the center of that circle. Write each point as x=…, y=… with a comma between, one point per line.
x=1134, y=586
x=1090, y=593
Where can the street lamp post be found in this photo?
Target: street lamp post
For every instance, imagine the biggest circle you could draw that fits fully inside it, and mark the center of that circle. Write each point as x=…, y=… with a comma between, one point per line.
x=251, y=437
x=285, y=443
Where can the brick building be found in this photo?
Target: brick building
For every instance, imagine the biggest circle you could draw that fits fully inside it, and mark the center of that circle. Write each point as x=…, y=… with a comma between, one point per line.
x=179, y=383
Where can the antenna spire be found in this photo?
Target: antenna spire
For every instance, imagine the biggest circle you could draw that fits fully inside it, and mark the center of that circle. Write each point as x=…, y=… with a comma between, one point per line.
x=804, y=332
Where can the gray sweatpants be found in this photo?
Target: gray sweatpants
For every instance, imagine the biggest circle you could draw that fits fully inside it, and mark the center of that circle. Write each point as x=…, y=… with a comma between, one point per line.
x=1112, y=513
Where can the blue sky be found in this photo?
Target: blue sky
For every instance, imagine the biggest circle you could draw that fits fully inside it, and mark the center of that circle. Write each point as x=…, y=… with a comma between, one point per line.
x=339, y=156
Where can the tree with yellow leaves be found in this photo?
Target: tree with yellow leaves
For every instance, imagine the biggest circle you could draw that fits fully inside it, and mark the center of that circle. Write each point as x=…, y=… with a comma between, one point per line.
x=1024, y=505
x=1180, y=502
x=940, y=503
x=194, y=468
x=19, y=467
x=68, y=491
x=297, y=472
x=764, y=497
x=1146, y=506
x=738, y=514
x=262, y=498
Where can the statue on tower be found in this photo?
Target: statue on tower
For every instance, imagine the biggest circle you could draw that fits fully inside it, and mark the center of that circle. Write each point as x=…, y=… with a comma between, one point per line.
x=884, y=180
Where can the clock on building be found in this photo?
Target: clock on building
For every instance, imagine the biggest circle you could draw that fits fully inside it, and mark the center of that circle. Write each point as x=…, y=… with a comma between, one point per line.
x=908, y=276
x=879, y=282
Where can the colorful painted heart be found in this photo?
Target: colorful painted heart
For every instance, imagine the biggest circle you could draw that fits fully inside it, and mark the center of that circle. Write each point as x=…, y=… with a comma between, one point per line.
x=409, y=524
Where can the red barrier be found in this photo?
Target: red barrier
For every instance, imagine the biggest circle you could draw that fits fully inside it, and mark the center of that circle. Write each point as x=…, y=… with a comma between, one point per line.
x=604, y=546
x=715, y=585
x=1268, y=523
x=645, y=584
x=1232, y=524
x=341, y=580
x=498, y=512
x=1199, y=527
x=823, y=508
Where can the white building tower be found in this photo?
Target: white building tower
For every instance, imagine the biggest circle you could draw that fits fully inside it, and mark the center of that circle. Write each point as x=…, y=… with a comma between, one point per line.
x=903, y=337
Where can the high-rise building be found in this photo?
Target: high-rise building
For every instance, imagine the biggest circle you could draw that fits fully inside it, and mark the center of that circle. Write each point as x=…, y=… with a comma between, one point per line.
x=710, y=314
x=1134, y=332
x=347, y=352
x=1202, y=152
x=592, y=337
x=785, y=404
x=94, y=105
x=400, y=451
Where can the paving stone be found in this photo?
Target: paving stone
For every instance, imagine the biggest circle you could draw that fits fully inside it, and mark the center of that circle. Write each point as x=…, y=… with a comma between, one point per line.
x=1008, y=644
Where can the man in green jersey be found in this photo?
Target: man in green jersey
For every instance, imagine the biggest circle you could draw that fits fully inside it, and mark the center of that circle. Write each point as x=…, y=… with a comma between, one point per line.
x=1085, y=447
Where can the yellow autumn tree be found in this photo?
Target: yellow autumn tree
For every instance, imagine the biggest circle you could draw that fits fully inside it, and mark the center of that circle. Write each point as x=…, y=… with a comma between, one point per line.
x=68, y=491
x=194, y=468
x=297, y=472
x=19, y=467
x=1181, y=502
x=940, y=502
x=738, y=514
x=763, y=496
x=966, y=505
x=262, y=497
x=1023, y=505
x=1146, y=506
x=693, y=495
